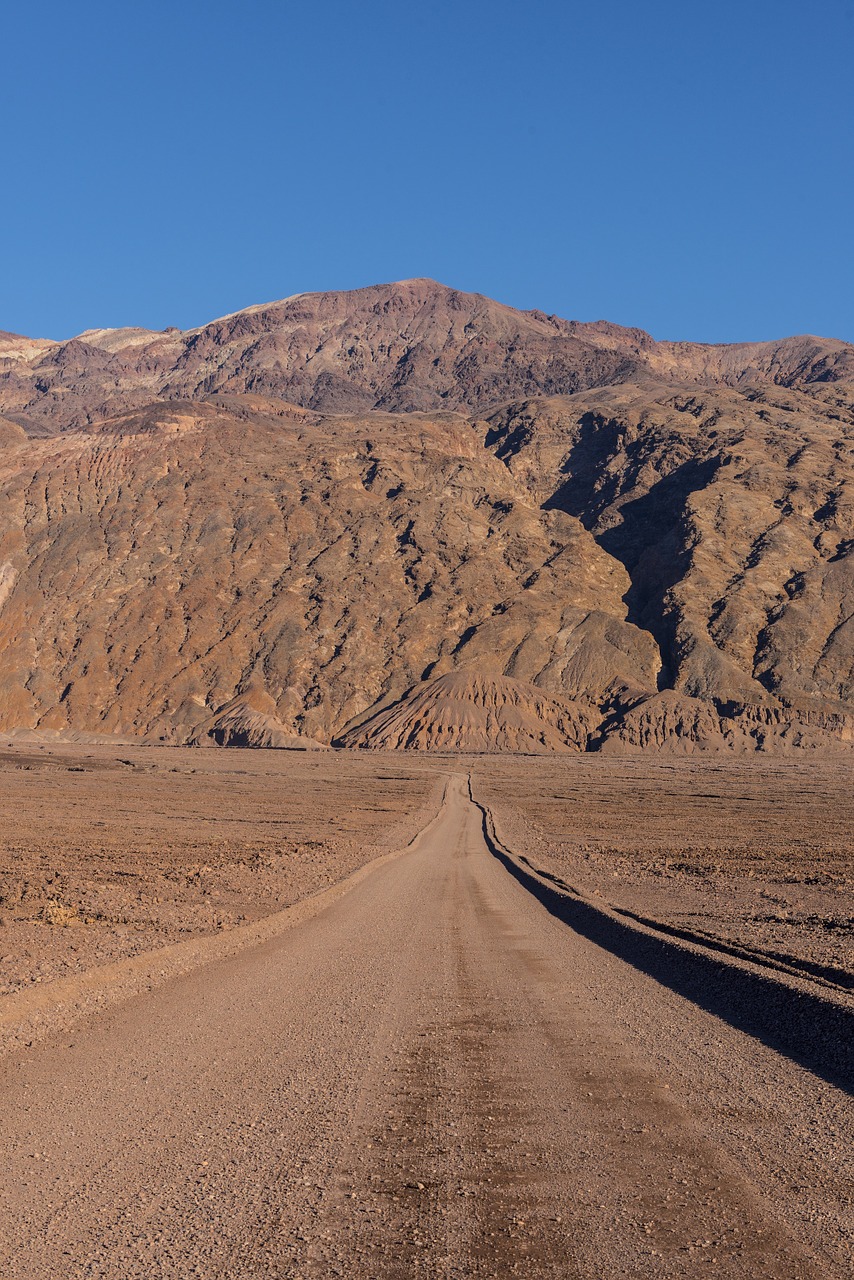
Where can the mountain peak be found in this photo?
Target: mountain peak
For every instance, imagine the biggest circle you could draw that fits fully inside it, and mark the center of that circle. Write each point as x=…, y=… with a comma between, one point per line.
x=409, y=345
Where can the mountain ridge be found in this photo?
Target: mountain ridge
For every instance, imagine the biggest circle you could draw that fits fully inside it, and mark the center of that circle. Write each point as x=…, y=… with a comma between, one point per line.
x=407, y=346
x=284, y=525
x=632, y=332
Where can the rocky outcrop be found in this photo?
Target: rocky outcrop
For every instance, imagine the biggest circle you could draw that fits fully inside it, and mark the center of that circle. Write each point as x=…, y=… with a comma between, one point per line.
x=464, y=711
x=250, y=720
x=673, y=722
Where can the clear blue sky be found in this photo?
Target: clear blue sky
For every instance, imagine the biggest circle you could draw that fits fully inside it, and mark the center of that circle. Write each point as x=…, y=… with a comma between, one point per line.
x=684, y=167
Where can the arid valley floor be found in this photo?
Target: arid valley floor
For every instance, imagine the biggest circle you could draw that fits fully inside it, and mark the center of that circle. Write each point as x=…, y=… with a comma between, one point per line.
x=341, y=1013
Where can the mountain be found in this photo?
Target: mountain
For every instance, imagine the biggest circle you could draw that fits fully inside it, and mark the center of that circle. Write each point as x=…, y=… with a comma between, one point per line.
x=408, y=347
x=407, y=516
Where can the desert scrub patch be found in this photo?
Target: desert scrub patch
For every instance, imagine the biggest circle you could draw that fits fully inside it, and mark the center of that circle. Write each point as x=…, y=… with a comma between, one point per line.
x=61, y=913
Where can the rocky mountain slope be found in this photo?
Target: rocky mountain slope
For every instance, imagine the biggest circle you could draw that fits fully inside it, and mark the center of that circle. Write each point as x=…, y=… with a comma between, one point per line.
x=296, y=524
x=413, y=346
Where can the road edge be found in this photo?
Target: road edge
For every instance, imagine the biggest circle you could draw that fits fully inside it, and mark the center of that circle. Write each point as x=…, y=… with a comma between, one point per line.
x=814, y=1027
x=29, y=1016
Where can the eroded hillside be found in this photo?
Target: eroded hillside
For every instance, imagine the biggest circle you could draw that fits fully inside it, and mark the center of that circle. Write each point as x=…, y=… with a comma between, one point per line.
x=661, y=557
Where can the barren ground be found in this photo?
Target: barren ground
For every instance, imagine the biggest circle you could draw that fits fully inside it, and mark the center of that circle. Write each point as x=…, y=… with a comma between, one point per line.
x=428, y=1070
x=107, y=854
x=759, y=853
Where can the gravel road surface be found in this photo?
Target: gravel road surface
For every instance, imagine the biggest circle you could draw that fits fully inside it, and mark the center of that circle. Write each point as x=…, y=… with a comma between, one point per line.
x=436, y=1077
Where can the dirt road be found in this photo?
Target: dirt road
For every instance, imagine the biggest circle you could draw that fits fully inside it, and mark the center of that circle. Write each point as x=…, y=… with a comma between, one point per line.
x=434, y=1076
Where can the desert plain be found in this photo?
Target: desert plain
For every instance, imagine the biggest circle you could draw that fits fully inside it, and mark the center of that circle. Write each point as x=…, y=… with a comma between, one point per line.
x=284, y=1013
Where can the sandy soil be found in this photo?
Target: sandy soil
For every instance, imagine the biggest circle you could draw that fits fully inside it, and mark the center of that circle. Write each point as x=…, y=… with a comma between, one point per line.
x=105, y=855
x=433, y=1076
x=758, y=853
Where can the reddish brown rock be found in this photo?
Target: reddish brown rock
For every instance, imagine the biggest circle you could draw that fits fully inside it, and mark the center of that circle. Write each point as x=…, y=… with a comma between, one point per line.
x=186, y=555
x=465, y=711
